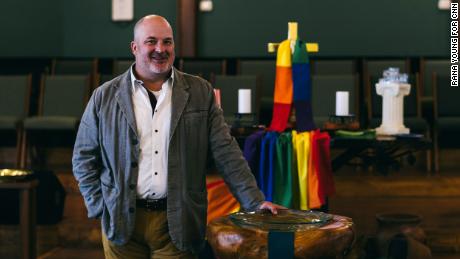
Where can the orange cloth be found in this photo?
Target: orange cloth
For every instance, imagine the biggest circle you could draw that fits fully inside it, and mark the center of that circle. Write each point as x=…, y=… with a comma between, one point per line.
x=220, y=200
x=314, y=200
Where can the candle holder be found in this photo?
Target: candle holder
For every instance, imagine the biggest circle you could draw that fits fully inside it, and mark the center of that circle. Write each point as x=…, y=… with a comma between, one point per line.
x=342, y=122
x=243, y=120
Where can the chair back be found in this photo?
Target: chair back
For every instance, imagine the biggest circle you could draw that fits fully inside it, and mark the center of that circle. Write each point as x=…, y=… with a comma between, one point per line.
x=14, y=95
x=333, y=67
x=74, y=67
x=207, y=69
x=376, y=67
x=266, y=72
x=63, y=95
x=427, y=68
x=120, y=66
x=229, y=86
x=412, y=107
x=324, y=88
x=446, y=97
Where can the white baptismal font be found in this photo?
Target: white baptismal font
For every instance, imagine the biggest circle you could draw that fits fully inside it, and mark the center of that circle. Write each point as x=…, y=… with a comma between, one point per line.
x=392, y=87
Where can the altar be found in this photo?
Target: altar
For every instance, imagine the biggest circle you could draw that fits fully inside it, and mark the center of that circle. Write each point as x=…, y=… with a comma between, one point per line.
x=230, y=239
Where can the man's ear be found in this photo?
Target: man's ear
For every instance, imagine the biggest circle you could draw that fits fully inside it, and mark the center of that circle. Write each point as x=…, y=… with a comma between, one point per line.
x=133, y=47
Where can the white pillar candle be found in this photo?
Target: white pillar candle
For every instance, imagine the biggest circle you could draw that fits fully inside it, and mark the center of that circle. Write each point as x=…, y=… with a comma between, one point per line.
x=244, y=100
x=341, y=103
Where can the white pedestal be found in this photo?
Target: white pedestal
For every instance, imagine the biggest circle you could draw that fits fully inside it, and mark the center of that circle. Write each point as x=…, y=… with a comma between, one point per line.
x=393, y=107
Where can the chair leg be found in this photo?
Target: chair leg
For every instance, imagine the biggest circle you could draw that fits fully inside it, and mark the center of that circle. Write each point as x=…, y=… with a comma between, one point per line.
x=429, y=168
x=23, y=160
x=436, y=152
x=18, y=148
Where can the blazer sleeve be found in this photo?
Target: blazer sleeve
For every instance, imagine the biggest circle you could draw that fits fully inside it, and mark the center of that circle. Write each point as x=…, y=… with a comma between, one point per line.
x=86, y=160
x=229, y=159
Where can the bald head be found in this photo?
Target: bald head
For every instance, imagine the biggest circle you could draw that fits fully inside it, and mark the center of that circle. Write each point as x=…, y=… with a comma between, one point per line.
x=150, y=20
x=153, y=49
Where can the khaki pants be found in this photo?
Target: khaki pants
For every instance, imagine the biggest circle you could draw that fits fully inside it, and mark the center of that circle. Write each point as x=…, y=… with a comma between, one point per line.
x=150, y=239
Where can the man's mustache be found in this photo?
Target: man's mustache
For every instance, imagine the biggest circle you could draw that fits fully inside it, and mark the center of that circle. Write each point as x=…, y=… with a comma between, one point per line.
x=163, y=55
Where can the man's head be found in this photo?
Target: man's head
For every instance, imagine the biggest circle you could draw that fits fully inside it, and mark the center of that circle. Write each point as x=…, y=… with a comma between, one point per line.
x=153, y=47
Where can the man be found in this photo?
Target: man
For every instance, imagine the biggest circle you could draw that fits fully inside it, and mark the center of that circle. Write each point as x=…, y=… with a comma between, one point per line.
x=141, y=151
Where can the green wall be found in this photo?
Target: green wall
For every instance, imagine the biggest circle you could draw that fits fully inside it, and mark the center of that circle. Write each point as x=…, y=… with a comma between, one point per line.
x=64, y=28
x=30, y=28
x=342, y=28
x=89, y=31
x=235, y=28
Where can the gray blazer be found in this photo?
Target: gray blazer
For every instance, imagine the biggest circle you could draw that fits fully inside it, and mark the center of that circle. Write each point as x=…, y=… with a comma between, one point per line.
x=107, y=150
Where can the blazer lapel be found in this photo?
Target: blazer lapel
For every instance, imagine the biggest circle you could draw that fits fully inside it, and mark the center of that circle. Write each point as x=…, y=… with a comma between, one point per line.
x=179, y=100
x=124, y=99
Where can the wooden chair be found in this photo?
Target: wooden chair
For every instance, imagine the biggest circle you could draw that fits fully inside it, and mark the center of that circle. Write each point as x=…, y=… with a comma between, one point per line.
x=15, y=94
x=229, y=86
x=427, y=68
x=62, y=100
x=120, y=66
x=375, y=68
x=207, y=69
x=87, y=67
x=74, y=66
x=324, y=88
x=265, y=70
x=446, y=114
x=334, y=67
x=413, y=118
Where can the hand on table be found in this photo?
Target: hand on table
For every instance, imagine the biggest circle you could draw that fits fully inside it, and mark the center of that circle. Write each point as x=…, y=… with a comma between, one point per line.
x=273, y=208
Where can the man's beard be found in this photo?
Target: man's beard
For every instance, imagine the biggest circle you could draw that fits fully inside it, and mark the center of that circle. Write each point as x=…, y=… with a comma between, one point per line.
x=163, y=66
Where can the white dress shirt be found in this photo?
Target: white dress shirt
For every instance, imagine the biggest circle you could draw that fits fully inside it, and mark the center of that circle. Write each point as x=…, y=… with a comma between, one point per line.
x=153, y=132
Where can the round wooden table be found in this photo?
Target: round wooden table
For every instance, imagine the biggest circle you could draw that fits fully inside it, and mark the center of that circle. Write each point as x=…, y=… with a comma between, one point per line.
x=229, y=240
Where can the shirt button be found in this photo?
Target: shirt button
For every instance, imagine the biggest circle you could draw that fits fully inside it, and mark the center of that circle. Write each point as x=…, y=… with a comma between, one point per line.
x=156, y=130
x=132, y=186
x=133, y=164
x=131, y=210
x=153, y=193
x=156, y=152
x=156, y=173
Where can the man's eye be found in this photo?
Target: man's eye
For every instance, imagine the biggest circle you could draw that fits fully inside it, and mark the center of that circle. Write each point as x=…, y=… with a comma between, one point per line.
x=150, y=42
x=168, y=42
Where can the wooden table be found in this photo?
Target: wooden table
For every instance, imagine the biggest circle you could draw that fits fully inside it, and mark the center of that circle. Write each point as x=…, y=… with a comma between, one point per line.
x=27, y=199
x=383, y=153
x=229, y=240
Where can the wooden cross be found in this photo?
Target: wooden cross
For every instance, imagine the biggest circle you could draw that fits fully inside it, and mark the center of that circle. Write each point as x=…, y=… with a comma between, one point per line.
x=292, y=36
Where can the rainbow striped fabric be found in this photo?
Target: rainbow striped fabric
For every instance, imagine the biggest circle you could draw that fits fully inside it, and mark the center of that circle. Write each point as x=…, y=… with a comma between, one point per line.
x=292, y=84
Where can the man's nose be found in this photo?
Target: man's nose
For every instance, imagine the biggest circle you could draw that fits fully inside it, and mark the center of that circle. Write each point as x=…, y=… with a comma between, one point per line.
x=160, y=47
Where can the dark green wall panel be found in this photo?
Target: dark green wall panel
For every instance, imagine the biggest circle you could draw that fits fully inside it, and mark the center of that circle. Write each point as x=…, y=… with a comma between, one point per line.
x=30, y=28
x=80, y=28
x=235, y=28
x=90, y=32
x=342, y=28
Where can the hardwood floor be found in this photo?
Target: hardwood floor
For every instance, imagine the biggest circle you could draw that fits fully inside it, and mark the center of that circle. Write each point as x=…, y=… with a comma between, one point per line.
x=360, y=195
x=73, y=253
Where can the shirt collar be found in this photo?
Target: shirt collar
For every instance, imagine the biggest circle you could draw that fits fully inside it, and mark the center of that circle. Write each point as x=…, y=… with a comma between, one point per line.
x=135, y=81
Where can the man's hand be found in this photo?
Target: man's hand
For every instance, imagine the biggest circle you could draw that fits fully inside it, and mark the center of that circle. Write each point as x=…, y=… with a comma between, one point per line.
x=273, y=208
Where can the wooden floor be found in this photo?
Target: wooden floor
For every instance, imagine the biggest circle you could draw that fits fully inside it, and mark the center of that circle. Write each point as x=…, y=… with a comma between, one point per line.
x=73, y=253
x=361, y=194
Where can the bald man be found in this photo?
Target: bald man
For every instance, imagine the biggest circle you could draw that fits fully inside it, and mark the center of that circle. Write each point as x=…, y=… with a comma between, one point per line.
x=141, y=151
